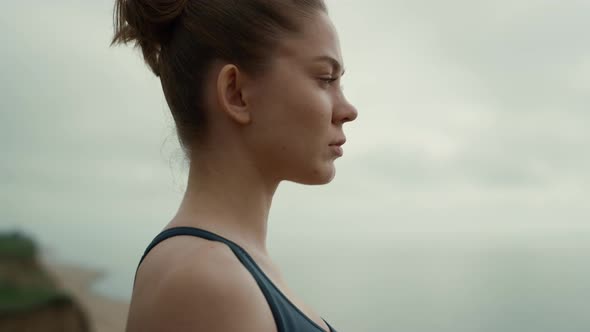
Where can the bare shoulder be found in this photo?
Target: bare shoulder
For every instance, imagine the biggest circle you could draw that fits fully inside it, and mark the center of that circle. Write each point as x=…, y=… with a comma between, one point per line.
x=196, y=285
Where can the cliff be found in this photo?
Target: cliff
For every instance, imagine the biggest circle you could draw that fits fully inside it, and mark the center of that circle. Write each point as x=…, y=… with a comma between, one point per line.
x=30, y=299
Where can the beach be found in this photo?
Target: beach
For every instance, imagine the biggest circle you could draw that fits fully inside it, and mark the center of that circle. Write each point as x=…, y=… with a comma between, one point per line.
x=105, y=314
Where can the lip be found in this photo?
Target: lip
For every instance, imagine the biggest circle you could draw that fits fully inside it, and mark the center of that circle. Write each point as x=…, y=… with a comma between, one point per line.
x=339, y=142
x=337, y=149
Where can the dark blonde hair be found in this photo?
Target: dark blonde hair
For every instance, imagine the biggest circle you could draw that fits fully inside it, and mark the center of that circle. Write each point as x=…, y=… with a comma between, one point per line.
x=180, y=39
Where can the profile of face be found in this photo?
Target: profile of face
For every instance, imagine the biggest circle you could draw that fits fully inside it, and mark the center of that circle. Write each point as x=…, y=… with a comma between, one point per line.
x=297, y=109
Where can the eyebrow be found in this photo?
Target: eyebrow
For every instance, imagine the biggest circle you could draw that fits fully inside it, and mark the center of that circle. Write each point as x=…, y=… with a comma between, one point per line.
x=335, y=64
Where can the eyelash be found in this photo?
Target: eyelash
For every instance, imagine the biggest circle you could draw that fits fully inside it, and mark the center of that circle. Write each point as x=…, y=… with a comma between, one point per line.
x=328, y=81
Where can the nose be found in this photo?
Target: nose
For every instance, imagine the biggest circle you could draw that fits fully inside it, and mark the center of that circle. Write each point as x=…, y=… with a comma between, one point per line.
x=345, y=112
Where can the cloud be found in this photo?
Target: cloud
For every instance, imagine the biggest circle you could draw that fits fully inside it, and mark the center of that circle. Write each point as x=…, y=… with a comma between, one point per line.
x=465, y=99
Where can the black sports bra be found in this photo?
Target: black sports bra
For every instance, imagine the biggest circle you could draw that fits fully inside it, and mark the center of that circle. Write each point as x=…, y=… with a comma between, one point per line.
x=287, y=316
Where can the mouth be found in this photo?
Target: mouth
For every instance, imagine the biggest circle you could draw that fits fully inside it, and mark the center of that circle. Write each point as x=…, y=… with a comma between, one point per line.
x=339, y=142
x=337, y=149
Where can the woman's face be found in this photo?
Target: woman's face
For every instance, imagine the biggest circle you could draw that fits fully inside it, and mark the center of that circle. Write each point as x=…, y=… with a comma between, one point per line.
x=298, y=107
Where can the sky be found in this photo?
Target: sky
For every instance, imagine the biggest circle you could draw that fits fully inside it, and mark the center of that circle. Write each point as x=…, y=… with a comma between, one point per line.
x=471, y=133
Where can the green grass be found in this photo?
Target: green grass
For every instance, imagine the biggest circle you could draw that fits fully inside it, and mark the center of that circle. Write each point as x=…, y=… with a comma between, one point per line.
x=16, y=250
x=16, y=245
x=15, y=299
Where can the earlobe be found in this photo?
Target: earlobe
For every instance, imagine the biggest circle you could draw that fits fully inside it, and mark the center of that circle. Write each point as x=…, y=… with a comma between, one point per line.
x=230, y=94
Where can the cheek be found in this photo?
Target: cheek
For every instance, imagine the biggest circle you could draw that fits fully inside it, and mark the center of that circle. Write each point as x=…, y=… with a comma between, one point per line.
x=309, y=128
x=309, y=107
x=294, y=119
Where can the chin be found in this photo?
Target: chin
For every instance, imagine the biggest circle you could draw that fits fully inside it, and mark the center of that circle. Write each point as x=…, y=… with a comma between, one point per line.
x=317, y=176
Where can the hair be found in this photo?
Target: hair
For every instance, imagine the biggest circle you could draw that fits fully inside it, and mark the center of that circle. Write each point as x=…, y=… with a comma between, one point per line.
x=180, y=39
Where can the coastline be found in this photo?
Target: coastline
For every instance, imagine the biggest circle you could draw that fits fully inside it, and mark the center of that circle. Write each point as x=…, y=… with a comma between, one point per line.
x=105, y=314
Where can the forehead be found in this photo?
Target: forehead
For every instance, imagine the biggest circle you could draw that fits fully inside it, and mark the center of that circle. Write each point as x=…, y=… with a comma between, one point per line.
x=318, y=39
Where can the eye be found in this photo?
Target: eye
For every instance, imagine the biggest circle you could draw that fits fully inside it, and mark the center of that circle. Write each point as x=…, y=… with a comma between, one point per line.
x=328, y=80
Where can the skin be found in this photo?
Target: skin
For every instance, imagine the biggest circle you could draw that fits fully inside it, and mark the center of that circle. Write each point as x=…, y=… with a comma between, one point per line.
x=263, y=130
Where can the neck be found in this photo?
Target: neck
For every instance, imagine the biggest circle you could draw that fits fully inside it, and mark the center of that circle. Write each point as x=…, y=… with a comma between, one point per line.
x=228, y=195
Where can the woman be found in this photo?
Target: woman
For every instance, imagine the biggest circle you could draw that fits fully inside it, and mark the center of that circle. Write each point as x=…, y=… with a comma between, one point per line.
x=254, y=89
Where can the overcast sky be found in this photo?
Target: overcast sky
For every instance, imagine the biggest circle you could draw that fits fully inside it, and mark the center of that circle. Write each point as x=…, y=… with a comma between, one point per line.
x=473, y=118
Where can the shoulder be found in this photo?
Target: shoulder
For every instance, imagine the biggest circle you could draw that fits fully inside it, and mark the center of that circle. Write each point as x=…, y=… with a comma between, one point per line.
x=197, y=285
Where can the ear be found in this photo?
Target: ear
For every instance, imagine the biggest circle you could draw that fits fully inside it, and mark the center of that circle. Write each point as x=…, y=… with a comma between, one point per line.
x=230, y=86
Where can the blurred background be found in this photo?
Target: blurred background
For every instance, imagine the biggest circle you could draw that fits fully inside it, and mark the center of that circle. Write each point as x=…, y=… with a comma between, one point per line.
x=461, y=202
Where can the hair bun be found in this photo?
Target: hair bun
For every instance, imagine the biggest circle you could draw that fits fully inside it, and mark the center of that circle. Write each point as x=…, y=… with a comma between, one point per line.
x=149, y=23
x=153, y=18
